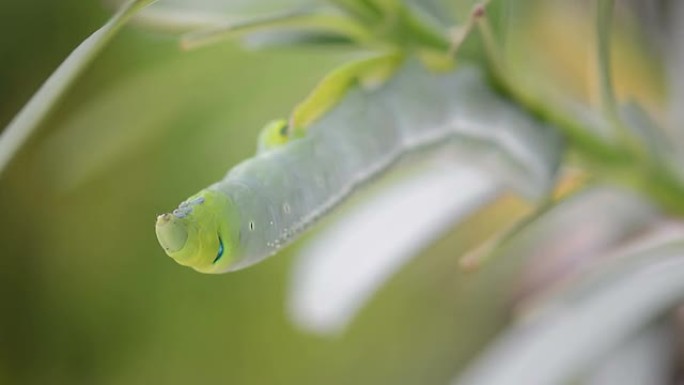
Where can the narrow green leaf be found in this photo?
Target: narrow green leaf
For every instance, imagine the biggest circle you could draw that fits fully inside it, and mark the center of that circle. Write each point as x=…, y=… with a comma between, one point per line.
x=44, y=101
x=187, y=15
x=243, y=8
x=438, y=10
x=219, y=33
x=173, y=20
x=277, y=38
x=364, y=10
x=302, y=22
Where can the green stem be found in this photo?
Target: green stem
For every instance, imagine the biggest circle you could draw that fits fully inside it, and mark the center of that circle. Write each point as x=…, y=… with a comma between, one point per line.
x=604, y=18
x=624, y=161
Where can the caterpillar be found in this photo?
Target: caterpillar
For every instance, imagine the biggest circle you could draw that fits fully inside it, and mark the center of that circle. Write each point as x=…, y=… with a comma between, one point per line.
x=264, y=202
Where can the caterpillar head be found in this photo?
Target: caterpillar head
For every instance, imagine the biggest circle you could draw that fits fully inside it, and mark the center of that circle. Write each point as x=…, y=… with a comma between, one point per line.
x=196, y=234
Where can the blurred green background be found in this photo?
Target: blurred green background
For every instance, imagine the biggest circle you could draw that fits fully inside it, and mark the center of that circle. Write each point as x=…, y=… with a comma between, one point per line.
x=87, y=294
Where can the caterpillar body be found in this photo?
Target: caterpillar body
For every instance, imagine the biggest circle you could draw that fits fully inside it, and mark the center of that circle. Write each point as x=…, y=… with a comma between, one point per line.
x=265, y=201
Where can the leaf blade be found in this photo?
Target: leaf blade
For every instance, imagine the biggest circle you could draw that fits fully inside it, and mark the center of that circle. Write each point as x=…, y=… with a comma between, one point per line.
x=570, y=337
x=343, y=267
x=48, y=95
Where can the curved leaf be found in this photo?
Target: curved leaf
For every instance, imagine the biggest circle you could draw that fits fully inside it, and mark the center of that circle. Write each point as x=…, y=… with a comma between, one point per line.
x=648, y=358
x=571, y=335
x=275, y=39
x=172, y=20
x=44, y=100
x=186, y=16
x=343, y=266
x=234, y=7
x=559, y=249
x=674, y=53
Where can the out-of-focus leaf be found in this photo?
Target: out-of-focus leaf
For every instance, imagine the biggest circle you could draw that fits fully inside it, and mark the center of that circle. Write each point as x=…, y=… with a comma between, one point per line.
x=182, y=16
x=596, y=316
x=559, y=249
x=306, y=23
x=275, y=39
x=343, y=267
x=658, y=143
x=674, y=63
x=652, y=137
x=647, y=358
x=292, y=17
x=653, y=21
x=594, y=276
x=234, y=7
x=173, y=20
x=438, y=10
x=49, y=94
x=604, y=23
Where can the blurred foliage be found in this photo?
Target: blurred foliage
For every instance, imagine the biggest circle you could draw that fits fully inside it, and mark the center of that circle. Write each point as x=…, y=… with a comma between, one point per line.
x=88, y=295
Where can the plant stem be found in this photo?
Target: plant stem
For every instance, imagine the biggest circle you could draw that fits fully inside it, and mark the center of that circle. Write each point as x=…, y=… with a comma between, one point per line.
x=624, y=161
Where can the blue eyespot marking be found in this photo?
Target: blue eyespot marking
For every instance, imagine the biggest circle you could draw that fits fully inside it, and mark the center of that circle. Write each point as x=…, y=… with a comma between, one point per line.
x=220, y=250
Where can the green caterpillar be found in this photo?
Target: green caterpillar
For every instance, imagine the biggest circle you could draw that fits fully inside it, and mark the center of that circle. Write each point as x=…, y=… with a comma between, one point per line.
x=298, y=175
